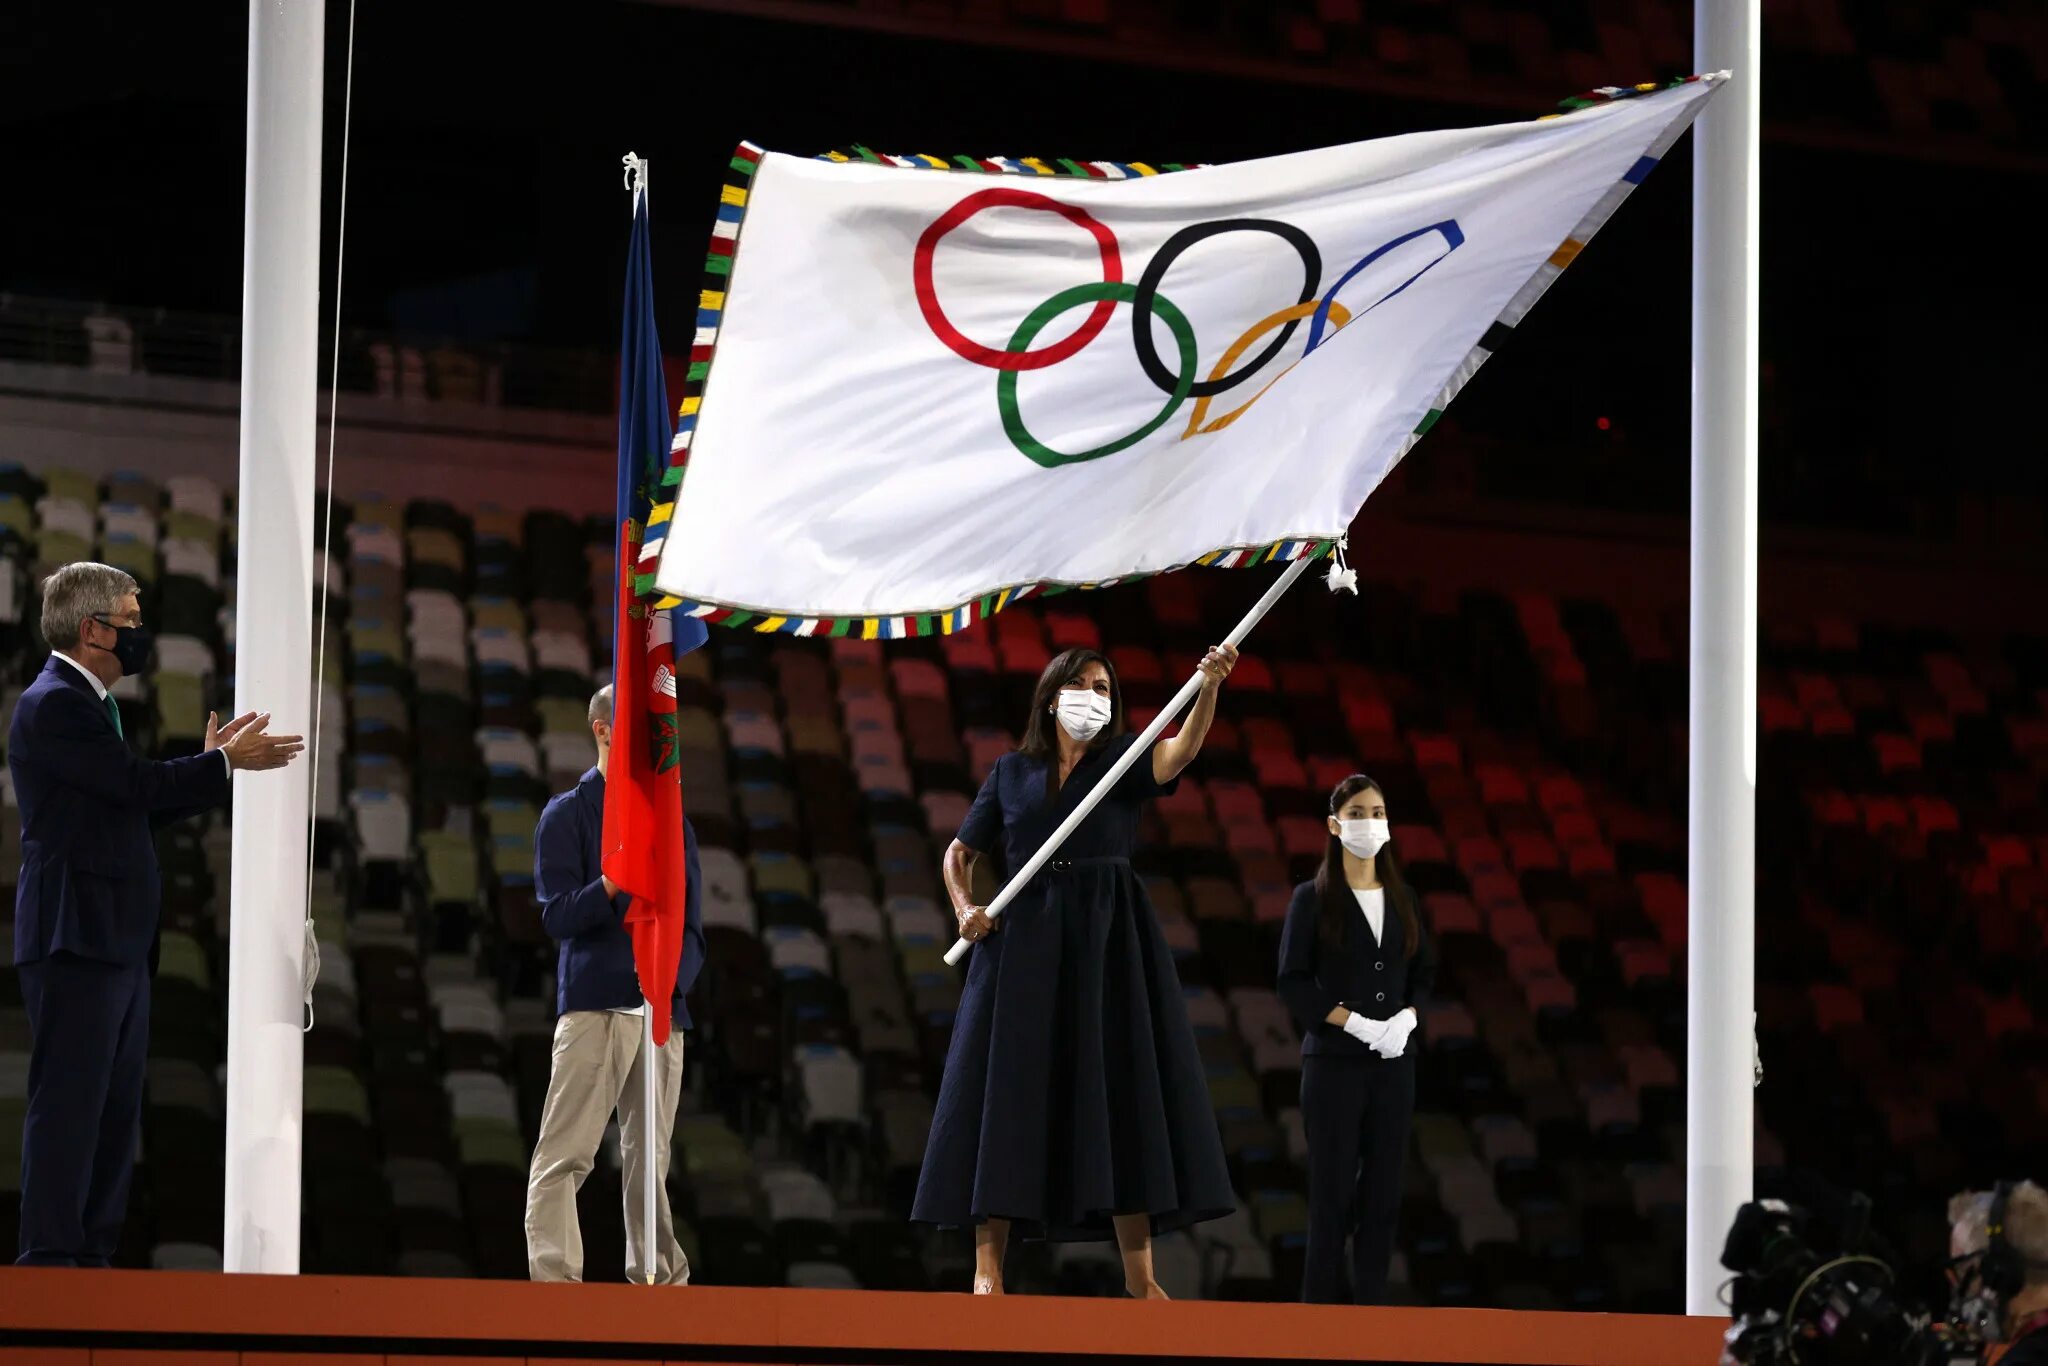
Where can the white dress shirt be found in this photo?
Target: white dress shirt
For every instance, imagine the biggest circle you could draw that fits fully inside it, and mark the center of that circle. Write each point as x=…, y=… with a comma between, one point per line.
x=1374, y=904
x=101, y=690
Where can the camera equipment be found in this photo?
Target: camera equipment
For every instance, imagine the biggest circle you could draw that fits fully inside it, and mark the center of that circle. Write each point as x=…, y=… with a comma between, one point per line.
x=1804, y=1295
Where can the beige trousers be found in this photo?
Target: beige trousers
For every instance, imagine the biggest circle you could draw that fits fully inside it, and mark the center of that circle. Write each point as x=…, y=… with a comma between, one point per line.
x=596, y=1070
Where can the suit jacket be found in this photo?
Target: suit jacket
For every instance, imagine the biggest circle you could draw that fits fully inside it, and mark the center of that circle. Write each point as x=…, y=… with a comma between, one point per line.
x=89, y=883
x=595, y=970
x=1377, y=981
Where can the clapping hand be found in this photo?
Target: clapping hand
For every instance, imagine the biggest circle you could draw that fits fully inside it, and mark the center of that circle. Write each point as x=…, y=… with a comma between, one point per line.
x=247, y=744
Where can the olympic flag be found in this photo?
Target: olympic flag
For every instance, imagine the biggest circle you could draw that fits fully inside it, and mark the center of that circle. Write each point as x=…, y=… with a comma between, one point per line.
x=924, y=389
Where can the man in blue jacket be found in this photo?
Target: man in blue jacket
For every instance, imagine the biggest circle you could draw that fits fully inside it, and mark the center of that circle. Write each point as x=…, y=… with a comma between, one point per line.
x=599, y=1046
x=85, y=908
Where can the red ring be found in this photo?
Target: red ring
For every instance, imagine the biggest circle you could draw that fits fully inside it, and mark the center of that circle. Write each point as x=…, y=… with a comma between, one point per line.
x=963, y=345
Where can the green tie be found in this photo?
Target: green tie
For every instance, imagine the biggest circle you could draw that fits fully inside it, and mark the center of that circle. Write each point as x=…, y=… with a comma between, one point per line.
x=114, y=710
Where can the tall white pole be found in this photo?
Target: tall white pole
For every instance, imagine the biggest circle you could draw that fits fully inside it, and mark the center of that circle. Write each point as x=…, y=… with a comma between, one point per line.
x=273, y=635
x=1721, y=823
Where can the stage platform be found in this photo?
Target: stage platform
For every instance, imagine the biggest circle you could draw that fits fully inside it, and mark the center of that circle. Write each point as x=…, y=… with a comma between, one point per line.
x=141, y=1318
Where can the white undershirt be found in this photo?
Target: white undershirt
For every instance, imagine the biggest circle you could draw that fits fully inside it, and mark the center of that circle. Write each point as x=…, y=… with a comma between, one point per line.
x=1374, y=904
x=99, y=689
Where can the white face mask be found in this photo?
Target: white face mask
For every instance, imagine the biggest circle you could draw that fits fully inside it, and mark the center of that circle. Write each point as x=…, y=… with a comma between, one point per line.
x=1363, y=838
x=1083, y=713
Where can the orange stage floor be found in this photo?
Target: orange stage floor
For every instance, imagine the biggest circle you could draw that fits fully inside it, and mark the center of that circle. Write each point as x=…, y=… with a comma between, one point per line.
x=129, y=1318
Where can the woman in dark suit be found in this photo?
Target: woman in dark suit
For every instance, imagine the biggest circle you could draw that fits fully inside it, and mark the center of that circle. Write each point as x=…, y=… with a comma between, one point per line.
x=1355, y=965
x=1074, y=1104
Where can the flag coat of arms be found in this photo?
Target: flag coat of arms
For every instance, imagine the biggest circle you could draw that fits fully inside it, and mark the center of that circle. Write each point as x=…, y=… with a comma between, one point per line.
x=922, y=389
x=642, y=849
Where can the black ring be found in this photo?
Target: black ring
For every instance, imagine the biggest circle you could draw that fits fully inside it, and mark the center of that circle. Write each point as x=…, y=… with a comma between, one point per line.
x=1155, y=270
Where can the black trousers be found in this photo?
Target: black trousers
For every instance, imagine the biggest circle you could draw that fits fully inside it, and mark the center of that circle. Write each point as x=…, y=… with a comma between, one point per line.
x=1357, y=1113
x=89, y=1027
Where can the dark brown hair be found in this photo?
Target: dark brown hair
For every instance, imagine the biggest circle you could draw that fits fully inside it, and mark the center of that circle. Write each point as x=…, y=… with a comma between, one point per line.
x=1041, y=740
x=1338, y=907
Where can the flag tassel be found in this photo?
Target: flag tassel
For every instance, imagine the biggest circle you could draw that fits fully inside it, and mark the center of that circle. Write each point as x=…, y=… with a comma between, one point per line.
x=1108, y=781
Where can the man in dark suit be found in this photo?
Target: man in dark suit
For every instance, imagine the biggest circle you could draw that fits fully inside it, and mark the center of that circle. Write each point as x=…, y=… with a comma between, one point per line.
x=599, y=1044
x=85, y=909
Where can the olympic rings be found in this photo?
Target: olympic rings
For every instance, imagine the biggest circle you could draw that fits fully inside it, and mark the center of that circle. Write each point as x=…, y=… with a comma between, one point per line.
x=1155, y=271
x=1338, y=315
x=1454, y=237
x=1111, y=293
x=1324, y=314
x=928, y=294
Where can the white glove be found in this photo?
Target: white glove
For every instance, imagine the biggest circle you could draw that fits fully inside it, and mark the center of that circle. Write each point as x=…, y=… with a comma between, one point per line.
x=1394, y=1042
x=1367, y=1032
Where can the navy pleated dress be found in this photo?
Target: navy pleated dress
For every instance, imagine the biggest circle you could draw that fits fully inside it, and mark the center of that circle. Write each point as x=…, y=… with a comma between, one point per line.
x=1073, y=1089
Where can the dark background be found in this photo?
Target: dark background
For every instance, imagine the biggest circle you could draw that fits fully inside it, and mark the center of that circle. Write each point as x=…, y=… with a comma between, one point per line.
x=486, y=206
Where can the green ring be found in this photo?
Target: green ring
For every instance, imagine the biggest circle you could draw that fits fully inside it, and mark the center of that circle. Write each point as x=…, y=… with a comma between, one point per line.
x=1034, y=322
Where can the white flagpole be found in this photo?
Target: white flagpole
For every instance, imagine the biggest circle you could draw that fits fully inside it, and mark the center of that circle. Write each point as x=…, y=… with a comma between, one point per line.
x=274, y=647
x=1023, y=876
x=1721, y=820
x=649, y=1247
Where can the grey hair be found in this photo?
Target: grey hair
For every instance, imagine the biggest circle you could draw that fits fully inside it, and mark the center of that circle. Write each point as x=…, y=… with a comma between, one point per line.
x=2026, y=1224
x=77, y=592
x=601, y=705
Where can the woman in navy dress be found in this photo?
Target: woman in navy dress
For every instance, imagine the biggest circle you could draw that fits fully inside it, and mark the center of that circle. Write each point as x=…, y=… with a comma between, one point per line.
x=1074, y=1105
x=1355, y=967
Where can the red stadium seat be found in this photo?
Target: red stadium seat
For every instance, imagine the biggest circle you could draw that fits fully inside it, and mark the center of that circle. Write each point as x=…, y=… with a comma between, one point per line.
x=968, y=652
x=2003, y=853
x=1072, y=630
x=1530, y=852
x=1814, y=691
x=1480, y=855
x=1254, y=836
x=1252, y=674
x=1500, y=785
x=1451, y=913
x=1780, y=714
x=1589, y=857
x=1326, y=771
x=1302, y=836
x=1419, y=844
x=1136, y=664
x=1023, y=656
x=1303, y=678
x=1884, y=813
x=1896, y=753
x=1435, y=751
x=1934, y=814
x=1280, y=769
x=1368, y=714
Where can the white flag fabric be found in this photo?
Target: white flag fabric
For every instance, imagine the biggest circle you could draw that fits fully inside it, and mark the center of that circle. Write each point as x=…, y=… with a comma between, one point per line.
x=921, y=392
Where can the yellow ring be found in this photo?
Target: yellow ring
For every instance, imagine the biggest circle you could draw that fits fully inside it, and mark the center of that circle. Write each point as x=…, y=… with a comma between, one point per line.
x=1339, y=315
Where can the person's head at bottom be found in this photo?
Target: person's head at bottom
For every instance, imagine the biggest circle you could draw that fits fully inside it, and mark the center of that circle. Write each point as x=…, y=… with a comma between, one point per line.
x=1998, y=1244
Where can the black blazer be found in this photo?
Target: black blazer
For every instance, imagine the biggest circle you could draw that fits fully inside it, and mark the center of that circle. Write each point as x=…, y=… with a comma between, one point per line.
x=89, y=884
x=1377, y=981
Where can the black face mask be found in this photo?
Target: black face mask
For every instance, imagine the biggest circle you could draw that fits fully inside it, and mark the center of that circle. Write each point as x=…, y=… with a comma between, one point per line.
x=132, y=647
